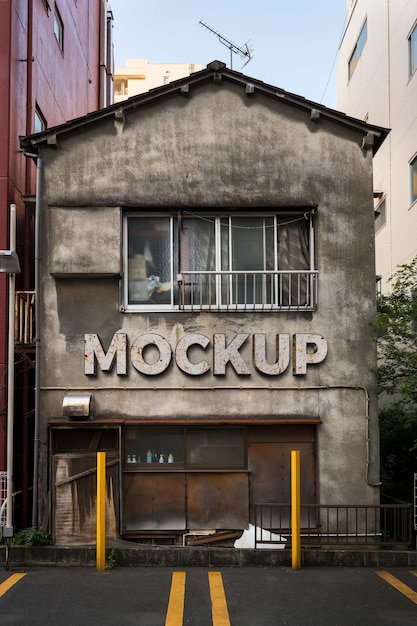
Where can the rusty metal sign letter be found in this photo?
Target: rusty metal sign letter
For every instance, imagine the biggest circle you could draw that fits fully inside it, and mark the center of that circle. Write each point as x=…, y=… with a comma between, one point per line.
x=93, y=351
x=181, y=354
x=137, y=356
x=223, y=354
x=307, y=350
x=282, y=354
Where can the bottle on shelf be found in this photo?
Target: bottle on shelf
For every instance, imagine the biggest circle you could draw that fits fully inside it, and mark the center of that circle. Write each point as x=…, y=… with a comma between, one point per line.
x=149, y=456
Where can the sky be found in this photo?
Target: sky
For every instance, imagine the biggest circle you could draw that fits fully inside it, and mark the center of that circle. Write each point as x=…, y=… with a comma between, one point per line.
x=294, y=42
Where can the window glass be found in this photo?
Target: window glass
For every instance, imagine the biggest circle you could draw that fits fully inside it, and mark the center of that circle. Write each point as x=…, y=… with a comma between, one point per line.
x=380, y=216
x=412, y=48
x=150, y=260
x=39, y=121
x=58, y=29
x=190, y=448
x=231, y=261
x=413, y=173
x=357, y=51
x=215, y=448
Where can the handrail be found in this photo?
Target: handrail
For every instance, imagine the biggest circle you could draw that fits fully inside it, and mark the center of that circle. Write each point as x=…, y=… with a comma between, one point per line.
x=248, y=290
x=324, y=525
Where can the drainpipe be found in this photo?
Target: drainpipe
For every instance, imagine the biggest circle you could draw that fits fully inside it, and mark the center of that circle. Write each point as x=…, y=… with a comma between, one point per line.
x=37, y=341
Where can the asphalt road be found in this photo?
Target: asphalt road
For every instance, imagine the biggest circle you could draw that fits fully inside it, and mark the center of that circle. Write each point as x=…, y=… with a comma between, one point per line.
x=76, y=596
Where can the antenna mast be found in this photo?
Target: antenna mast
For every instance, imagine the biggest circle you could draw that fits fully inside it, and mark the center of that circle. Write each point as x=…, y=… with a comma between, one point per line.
x=244, y=52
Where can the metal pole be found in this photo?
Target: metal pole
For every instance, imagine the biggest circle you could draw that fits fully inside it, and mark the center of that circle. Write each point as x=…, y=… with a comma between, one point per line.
x=295, y=509
x=101, y=512
x=8, y=530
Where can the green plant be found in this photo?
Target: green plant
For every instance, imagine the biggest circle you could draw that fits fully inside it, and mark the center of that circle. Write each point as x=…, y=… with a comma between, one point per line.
x=111, y=560
x=32, y=537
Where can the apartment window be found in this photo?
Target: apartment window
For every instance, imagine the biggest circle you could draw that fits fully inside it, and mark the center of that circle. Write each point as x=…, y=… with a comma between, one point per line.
x=39, y=121
x=58, y=29
x=380, y=215
x=413, y=179
x=220, y=262
x=359, y=46
x=412, y=51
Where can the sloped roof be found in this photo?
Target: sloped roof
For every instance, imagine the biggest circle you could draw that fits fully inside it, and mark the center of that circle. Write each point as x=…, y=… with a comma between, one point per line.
x=216, y=72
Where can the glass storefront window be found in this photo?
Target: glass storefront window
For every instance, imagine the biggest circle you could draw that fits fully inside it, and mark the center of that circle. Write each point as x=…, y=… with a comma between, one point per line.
x=190, y=448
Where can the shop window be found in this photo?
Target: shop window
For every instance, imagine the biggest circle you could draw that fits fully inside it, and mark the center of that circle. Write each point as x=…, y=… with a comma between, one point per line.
x=359, y=46
x=187, y=448
x=58, y=29
x=219, y=262
x=412, y=51
x=84, y=440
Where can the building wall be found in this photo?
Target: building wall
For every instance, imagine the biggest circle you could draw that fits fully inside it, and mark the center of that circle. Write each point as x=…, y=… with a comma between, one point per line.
x=139, y=75
x=381, y=91
x=63, y=84
x=220, y=149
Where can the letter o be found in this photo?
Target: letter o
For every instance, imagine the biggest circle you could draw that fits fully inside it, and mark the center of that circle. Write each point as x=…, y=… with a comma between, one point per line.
x=163, y=347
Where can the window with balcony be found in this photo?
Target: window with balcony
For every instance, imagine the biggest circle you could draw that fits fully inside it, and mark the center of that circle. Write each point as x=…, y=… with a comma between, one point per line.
x=357, y=50
x=203, y=261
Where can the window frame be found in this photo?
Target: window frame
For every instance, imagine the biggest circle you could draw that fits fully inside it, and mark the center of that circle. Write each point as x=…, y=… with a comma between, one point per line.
x=187, y=451
x=358, y=49
x=39, y=118
x=412, y=51
x=413, y=180
x=58, y=29
x=218, y=217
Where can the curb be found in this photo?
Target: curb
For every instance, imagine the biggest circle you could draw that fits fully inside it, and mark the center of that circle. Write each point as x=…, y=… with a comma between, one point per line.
x=157, y=556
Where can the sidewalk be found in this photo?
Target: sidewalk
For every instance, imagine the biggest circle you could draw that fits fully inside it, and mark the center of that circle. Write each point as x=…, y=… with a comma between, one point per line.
x=128, y=554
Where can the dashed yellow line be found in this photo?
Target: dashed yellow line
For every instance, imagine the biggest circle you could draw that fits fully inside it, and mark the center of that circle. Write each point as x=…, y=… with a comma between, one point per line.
x=12, y=580
x=400, y=586
x=219, y=611
x=175, y=611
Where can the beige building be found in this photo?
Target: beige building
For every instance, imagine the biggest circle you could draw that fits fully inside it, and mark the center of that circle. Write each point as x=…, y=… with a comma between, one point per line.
x=377, y=82
x=139, y=76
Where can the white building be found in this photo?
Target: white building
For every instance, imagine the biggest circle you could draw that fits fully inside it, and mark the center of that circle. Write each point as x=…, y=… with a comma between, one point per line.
x=377, y=82
x=139, y=76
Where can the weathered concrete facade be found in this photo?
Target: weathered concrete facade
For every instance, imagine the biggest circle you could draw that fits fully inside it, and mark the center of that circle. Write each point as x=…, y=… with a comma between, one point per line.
x=212, y=144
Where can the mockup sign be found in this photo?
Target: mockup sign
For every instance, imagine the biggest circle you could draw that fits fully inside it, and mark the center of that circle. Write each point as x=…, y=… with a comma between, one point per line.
x=196, y=354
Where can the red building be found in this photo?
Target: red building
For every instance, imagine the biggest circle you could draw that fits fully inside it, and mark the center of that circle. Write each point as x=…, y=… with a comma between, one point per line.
x=56, y=64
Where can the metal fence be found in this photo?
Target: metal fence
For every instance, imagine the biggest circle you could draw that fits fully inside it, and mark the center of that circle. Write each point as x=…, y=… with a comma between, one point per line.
x=388, y=525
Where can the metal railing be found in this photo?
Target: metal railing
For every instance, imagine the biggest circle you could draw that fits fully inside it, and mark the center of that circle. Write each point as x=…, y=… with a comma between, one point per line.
x=253, y=290
x=25, y=317
x=378, y=525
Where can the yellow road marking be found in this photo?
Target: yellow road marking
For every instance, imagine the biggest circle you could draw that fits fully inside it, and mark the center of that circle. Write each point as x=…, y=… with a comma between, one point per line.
x=397, y=584
x=219, y=610
x=175, y=611
x=12, y=580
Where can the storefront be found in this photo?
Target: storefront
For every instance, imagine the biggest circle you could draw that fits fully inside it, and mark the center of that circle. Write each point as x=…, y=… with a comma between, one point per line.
x=207, y=285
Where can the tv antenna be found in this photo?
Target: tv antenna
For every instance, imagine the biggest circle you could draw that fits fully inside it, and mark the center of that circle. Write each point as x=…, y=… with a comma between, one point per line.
x=244, y=52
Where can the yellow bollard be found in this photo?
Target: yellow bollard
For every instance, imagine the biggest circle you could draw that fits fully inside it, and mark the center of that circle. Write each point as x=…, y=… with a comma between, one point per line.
x=295, y=509
x=101, y=512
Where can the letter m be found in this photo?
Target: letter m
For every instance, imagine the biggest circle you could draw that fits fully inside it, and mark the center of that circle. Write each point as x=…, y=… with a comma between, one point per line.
x=93, y=352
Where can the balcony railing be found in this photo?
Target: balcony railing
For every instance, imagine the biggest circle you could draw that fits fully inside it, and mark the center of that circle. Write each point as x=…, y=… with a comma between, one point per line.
x=388, y=525
x=248, y=291
x=25, y=317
